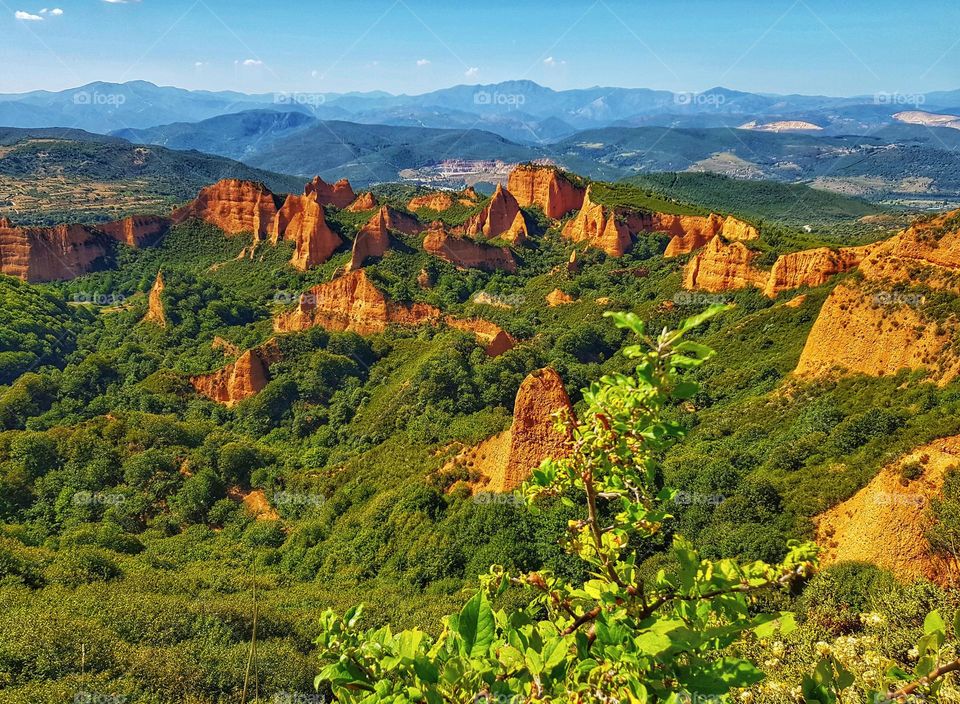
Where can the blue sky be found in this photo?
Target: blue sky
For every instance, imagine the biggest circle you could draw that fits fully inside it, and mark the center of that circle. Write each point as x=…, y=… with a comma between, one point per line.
x=836, y=47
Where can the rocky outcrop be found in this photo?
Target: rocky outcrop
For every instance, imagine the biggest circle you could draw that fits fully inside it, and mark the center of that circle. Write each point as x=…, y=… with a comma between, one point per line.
x=137, y=230
x=339, y=194
x=235, y=206
x=722, y=267
x=444, y=200
x=155, y=311
x=518, y=232
x=868, y=326
x=691, y=232
x=37, y=254
x=302, y=221
x=886, y=522
x=465, y=253
x=559, y=298
x=812, y=267
x=495, y=339
x=235, y=382
x=600, y=227
x=365, y=201
x=373, y=239
x=859, y=332
x=497, y=218
x=351, y=302
x=547, y=188
x=506, y=460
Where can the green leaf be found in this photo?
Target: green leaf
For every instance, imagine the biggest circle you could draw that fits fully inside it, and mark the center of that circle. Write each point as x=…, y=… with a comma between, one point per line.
x=933, y=623
x=426, y=670
x=409, y=644
x=534, y=661
x=476, y=626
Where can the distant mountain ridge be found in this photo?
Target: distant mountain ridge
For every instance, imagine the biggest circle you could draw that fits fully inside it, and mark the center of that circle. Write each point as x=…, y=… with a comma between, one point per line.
x=521, y=110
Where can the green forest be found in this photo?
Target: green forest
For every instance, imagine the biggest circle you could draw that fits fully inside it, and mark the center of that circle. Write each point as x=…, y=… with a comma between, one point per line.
x=130, y=567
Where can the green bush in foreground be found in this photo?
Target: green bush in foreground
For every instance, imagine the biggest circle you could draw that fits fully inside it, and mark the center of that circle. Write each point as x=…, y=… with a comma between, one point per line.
x=619, y=636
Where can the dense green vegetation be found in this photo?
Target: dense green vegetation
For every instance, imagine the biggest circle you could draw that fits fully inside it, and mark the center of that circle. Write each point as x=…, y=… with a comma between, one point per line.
x=127, y=561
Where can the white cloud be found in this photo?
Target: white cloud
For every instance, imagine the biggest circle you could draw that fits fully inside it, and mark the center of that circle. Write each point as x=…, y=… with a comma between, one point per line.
x=56, y=12
x=121, y=2
x=253, y=62
x=552, y=62
x=423, y=62
x=471, y=72
x=27, y=17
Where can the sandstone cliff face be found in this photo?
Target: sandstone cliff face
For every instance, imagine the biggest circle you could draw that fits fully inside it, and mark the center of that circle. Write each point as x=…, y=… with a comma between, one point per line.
x=373, y=239
x=547, y=188
x=466, y=253
x=864, y=327
x=137, y=230
x=812, y=267
x=339, y=195
x=302, y=220
x=722, y=267
x=600, y=227
x=155, y=311
x=518, y=232
x=37, y=254
x=365, y=201
x=235, y=382
x=351, y=302
x=495, y=339
x=885, y=523
x=498, y=218
x=691, y=232
x=444, y=200
x=507, y=459
x=235, y=206
x=855, y=332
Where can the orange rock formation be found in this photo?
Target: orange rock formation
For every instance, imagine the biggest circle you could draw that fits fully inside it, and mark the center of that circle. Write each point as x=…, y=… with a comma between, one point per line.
x=137, y=230
x=812, y=267
x=235, y=382
x=444, y=200
x=339, y=195
x=373, y=240
x=558, y=298
x=691, y=232
x=885, y=522
x=722, y=267
x=155, y=311
x=546, y=187
x=235, y=206
x=866, y=326
x=497, y=219
x=365, y=201
x=466, y=253
x=302, y=221
x=506, y=460
x=600, y=227
x=37, y=254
